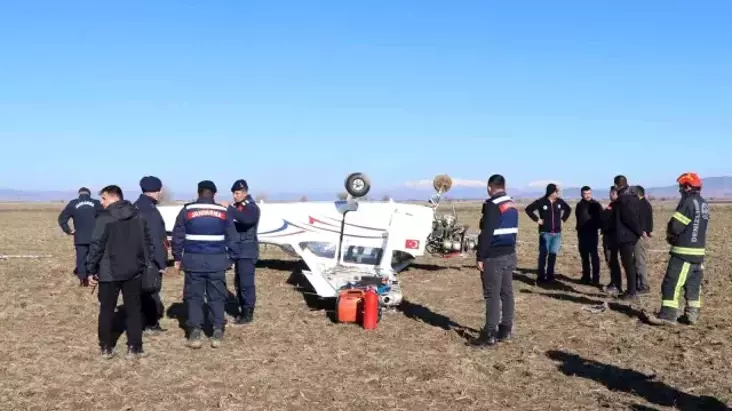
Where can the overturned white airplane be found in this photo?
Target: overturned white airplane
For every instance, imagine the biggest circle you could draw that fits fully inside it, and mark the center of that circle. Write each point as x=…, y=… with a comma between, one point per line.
x=352, y=242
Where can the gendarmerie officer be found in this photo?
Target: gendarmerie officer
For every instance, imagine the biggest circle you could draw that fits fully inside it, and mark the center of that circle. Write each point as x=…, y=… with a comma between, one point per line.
x=152, y=306
x=496, y=259
x=83, y=211
x=204, y=242
x=245, y=215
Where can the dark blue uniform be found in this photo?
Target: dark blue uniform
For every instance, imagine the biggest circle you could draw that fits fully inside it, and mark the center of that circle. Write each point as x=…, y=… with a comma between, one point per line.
x=204, y=241
x=245, y=216
x=83, y=212
x=152, y=306
x=497, y=252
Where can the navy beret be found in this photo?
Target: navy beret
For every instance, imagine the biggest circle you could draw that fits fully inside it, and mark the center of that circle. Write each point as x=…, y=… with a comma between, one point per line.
x=207, y=185
x=150, y=184
x=240, y=184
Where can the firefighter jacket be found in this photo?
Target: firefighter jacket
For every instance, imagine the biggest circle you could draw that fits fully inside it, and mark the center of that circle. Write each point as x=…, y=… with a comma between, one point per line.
x=687, y=228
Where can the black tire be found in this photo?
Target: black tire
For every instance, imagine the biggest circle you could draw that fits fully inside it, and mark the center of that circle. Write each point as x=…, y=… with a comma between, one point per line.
x=357, y=184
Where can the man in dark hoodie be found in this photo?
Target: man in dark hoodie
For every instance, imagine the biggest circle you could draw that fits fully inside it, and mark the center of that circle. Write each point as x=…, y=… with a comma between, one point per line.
x=588, y=212
x=553, y=211
x=627, y=231
x=152, y=306
x=82, y=210
x=120, y=250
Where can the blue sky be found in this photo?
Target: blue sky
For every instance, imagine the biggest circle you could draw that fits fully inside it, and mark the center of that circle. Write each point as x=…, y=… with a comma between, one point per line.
x=294, y=95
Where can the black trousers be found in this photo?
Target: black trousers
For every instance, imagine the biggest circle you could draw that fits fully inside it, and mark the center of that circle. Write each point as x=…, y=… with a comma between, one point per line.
x=627, y=258
x=680, y=275
x=612, y=256
x=587, y=244
x=81, y=251
x=152, y=308
x=244, y=283
x=108, y=294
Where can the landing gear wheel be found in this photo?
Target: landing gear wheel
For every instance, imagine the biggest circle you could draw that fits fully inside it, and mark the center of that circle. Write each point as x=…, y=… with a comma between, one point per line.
x=442, y=183
x=357, y=184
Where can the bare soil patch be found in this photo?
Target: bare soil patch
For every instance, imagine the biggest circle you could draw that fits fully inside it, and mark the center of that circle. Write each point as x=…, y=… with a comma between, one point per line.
x=294, y=358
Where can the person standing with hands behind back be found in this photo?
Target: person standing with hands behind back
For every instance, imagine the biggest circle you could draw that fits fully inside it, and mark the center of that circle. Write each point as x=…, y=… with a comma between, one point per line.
x=152, y=306
x=204, y=241
x=645, y=214
x=553, y=211
x=589, y=220
x=496, y=260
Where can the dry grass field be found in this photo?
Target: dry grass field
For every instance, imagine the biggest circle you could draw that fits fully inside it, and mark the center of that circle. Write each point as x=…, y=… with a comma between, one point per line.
x=293, y=357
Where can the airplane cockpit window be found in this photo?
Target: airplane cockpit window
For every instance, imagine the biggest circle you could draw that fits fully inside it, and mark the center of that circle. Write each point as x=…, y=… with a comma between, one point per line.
x=363, y=255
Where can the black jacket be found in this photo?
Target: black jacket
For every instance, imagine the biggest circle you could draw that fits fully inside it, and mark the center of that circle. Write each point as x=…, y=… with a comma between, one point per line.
x=627, y=224
x=97, y=261
x=589, y=216
x=156, y=225
x=245, y=216
x=646, y=215
x=552, y=214
x=608, y=225
x=82, y=211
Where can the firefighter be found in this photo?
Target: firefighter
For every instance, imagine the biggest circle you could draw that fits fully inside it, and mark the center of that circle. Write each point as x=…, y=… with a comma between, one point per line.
x=687, y=235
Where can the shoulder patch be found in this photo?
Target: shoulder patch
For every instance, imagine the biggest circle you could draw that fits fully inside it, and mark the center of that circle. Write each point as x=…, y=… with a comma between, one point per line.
x=508, y=205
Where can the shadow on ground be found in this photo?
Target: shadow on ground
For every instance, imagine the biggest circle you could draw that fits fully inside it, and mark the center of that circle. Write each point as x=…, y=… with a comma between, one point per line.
x=429, y=267
x=615, y=306
x=314, y=303
x=179, y=312
x=633, y=382
x=426, y=315
x=521, y=275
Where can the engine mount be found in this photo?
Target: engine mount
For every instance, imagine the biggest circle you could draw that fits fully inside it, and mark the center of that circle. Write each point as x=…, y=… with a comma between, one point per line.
x=448, y=236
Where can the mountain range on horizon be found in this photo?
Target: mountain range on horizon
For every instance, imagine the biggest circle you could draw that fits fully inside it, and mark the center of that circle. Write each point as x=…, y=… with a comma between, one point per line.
x=714, y=187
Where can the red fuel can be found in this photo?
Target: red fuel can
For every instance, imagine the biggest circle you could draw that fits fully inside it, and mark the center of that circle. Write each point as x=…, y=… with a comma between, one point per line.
x=370, y=309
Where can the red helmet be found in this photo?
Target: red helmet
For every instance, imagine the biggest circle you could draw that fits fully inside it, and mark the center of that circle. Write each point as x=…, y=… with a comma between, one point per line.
x=690, y=179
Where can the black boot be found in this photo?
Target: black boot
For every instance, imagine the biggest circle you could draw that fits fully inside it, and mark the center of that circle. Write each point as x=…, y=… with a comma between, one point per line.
x=504, y=333
x=135, y=352
x=107, y=352
x=486, y=338
x=195, y=339
x=154, y=329
x=247, y=316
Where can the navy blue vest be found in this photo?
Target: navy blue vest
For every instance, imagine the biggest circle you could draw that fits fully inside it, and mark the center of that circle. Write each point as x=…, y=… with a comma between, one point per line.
x=507, y=230
x=205, y=228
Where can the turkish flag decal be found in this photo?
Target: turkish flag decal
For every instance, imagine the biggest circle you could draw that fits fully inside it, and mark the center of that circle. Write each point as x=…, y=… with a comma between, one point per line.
x=411, y=244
